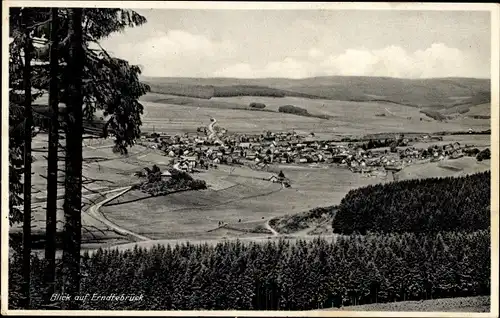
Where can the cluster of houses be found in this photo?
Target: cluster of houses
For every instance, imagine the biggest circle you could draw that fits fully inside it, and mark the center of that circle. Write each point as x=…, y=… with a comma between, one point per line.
x=200, y=152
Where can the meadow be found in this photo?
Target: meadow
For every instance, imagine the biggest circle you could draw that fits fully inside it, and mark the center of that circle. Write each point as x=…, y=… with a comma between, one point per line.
x=246, y=202
x=355, y=105
x=349, y=118
x=446, y=168
x=458, y=304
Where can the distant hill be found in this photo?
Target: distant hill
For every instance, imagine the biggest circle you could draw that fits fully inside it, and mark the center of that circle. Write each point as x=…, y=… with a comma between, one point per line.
x=436, y=93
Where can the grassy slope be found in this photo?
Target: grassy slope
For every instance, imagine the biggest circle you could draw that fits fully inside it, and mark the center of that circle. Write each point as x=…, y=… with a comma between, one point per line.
x=230, y=198
x=459, y=304
x=447, y=168
x=436, y=92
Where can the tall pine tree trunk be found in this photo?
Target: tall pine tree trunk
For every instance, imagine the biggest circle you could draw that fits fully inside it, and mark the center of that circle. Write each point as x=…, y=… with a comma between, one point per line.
x=51, y=219
x=27, y=165
x=73, y=162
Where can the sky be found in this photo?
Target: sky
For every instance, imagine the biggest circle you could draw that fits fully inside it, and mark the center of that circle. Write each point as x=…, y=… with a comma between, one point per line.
x=307, y=43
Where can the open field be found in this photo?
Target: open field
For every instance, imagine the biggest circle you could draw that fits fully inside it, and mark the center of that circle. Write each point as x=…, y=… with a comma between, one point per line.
x=350, y=120
x=479, y=110
x=437, y=92
x=247, y=203
x=445, y=168
x=459, y=304
x=333, y=108
x=479, y=141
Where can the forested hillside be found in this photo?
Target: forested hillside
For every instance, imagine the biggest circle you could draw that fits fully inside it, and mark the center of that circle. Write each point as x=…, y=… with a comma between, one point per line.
x=283, y=275
x=422, y=205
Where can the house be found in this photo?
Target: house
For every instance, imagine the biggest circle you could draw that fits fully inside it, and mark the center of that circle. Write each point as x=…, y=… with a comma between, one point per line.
x=251, y=155
x=456, y=154
x=189, y=159
x=300, y=160
x=338, y=158
x=273, y=179
x=166, y=174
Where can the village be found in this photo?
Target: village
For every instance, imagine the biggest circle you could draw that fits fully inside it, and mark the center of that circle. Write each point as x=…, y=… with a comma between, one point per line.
x=207, y=148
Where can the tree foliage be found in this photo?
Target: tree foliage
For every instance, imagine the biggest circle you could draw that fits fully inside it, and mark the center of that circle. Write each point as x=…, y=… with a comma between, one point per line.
x=110, y=84
x=484, y=155
x=284, y=275
x=424, y=205
x=155, y=185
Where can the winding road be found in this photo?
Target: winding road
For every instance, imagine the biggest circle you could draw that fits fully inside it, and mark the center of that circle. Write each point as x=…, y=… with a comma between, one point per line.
x=94, y=211
x=213, y=134
x=270, y=228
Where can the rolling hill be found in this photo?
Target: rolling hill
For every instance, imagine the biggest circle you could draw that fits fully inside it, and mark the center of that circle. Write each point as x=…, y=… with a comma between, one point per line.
x=436, y=93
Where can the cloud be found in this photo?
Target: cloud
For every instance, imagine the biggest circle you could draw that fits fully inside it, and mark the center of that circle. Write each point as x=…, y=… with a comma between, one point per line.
x=289, y=68
x=182, y=53
x=315, y=53
x=172, y=53
x=438, y=60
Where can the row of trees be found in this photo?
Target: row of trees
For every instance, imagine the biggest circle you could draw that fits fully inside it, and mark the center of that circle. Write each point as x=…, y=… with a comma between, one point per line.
x=423, y=205
x=51, y=52
x=155, y=185
x=284, y=275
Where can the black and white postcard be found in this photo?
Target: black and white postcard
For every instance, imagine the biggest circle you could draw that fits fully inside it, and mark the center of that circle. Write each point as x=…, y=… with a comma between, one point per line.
x=250, y=158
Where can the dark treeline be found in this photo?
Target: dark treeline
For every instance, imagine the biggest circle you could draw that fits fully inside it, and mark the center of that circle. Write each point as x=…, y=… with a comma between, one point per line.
x=295, y=110
x=433, y=114
x=290, y=109
x=424, y=205
x=244, y=90
x=282, y=275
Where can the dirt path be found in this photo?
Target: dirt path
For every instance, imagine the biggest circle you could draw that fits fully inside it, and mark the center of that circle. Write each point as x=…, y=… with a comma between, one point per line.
x=213, y=134
x=94, y=211
x=270, y=228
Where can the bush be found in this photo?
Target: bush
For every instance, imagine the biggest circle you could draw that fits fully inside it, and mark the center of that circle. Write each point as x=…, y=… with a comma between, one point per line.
x=434, y=114
x=198, y=184
x=426, y=206
x=257, y=105
x=180, y=175
x=484, y=155
x=472, y=152
x=179, y=180
x=290, y=109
